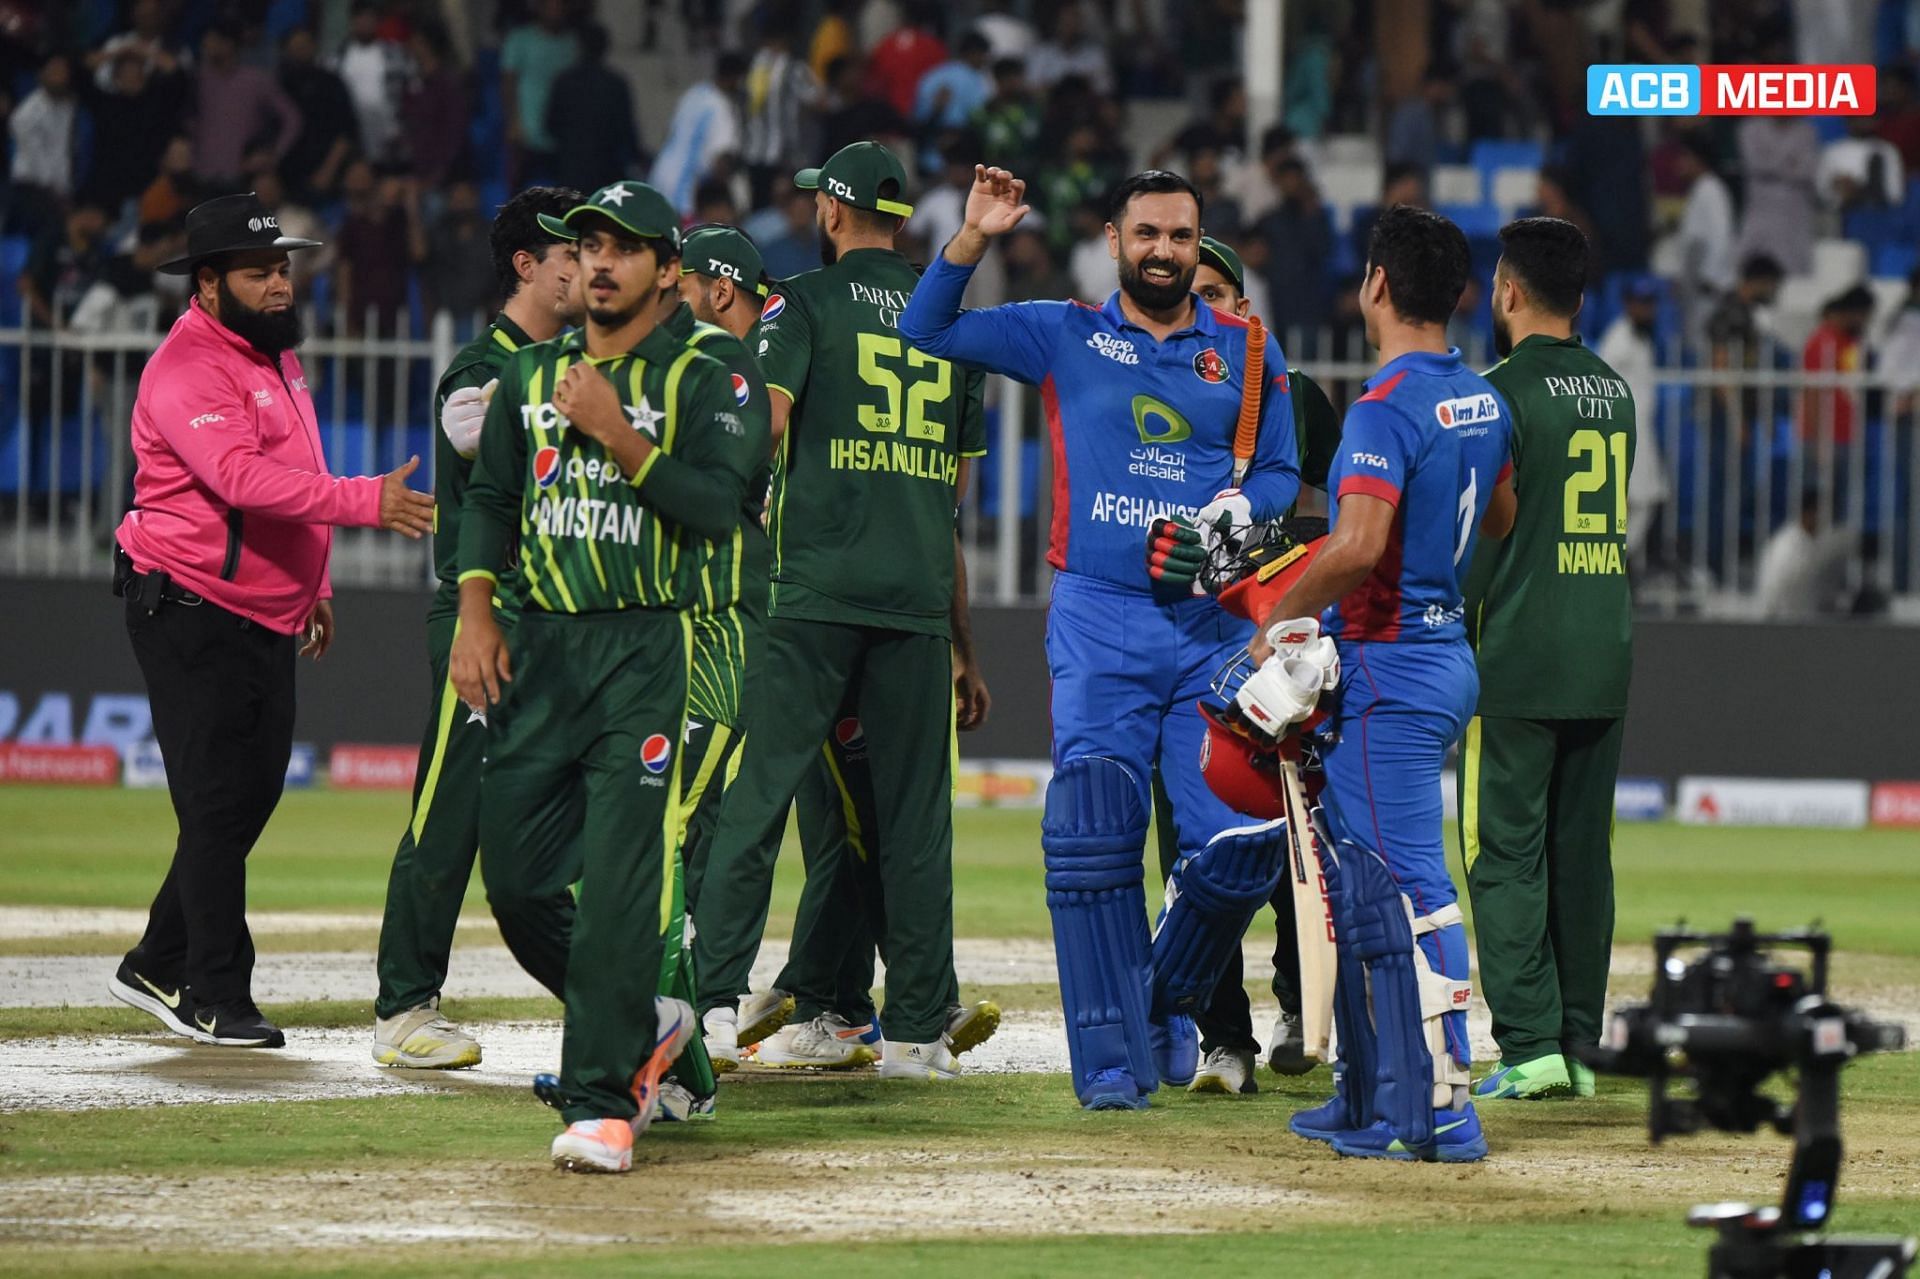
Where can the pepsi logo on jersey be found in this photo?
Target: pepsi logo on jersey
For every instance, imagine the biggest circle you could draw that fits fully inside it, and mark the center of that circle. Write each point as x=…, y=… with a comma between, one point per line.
x=656, y=752
x=546, y=466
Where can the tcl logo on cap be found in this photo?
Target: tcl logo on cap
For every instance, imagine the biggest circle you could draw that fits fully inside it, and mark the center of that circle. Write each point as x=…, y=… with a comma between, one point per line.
x=655, y=752
x=771, y=312
x=840, y=189
x=546, y=466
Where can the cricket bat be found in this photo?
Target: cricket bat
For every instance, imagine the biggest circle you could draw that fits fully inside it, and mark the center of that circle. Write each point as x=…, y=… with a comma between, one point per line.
x=1246, y=432
x=1312, y=918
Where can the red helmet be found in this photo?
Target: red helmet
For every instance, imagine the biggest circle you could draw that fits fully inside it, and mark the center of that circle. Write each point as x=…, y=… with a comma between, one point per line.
x=1245, y=775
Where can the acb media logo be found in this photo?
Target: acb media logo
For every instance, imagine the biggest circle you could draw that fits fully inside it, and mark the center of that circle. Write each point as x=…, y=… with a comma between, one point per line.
x=1635, y=89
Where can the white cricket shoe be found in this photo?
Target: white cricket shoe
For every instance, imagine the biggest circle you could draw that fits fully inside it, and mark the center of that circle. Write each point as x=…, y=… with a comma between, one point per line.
x=828, y=1042
x=969, y=1027
x=1287, y=1049
x=1226, y=1070
x=719, y=1028
x=918, y=1061
x=421, y=1039
x=762, y=1014
x=676, y=1104
x=594, y=1145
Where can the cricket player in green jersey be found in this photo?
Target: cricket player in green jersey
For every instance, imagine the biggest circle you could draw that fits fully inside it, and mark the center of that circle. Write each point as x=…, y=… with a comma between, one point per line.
x=723, y=286
x=1227, y=1043
x=615, y=457
x=729, y=617
x=535, y=272
x=1551, y=620
x=827, y=982
x=872, y=442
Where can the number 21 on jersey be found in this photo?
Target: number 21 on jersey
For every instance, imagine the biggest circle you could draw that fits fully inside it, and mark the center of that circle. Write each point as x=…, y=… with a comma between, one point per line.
x=1596, y=448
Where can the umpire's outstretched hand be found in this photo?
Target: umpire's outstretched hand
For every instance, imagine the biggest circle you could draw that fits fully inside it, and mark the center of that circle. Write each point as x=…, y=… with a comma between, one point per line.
x=402, y=509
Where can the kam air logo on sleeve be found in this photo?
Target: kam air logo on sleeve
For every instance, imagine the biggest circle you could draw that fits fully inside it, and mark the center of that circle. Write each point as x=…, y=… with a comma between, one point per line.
x=1634, y=89
x=1468, y=410
x=656, y=752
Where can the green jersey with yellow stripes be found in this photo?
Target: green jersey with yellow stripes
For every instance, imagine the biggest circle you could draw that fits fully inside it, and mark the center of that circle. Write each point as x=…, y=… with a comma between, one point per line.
x=1548, y=607
x=478, y=363
x=864, y=480
x=592, y=539
x=732, y=598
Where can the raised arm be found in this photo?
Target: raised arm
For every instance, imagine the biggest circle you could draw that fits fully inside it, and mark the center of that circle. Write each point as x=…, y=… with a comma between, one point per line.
x=1016, y=340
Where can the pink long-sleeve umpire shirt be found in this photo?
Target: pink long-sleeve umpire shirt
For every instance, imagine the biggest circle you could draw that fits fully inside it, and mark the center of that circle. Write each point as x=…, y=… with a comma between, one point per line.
x=231, y=494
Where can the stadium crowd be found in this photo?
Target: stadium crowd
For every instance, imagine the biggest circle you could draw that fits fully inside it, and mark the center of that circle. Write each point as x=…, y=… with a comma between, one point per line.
x=392, y=129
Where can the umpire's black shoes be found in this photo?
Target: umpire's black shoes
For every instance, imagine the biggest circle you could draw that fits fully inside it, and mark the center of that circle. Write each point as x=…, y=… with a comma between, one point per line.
x=166, y=1000
x=235, y=1025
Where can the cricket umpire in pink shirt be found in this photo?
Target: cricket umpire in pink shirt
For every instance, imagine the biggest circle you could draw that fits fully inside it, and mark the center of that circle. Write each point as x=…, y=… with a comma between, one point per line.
x=223, y=564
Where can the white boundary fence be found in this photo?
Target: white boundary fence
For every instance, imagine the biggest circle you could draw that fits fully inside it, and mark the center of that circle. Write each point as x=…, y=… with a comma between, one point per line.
x=1737, y=446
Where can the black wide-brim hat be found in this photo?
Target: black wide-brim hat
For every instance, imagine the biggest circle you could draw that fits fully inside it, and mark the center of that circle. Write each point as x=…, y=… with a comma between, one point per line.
x=230, y=224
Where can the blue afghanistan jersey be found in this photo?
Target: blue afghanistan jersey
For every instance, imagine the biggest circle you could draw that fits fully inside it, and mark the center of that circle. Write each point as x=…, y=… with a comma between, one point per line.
x=1430, y=437
x=1140, y=429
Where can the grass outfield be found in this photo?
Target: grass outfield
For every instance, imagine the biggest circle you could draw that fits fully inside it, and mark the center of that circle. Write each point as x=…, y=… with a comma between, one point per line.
x=330, y=851
x=1001, y=1174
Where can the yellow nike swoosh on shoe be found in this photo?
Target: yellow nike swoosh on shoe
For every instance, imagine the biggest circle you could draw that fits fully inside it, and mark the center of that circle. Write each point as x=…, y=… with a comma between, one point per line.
x=158, y=993
x=204, y=1025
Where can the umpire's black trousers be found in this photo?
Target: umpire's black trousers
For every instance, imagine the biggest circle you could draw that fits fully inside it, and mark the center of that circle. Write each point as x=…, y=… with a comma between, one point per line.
x=221, y=689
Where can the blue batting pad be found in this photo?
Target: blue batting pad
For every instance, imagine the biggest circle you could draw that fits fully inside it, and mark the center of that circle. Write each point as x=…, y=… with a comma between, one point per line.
x=1093, y=833
x=1211, y=898
x=1377, y=932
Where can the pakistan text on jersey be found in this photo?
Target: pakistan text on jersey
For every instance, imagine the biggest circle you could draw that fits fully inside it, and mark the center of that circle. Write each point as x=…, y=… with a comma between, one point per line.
x=589, y=517
x=1590, y=557
x=895, y=455
x=1136, y=512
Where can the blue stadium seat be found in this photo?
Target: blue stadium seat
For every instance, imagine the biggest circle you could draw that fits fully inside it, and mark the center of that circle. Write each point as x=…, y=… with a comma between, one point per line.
x=1895, y=260
x=1479, y=221
x=14, y=250
x=1491, y=155
x=1877, y=227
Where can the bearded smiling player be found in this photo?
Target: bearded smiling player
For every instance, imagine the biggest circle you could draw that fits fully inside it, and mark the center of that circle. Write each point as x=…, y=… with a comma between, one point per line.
x=1141, y=397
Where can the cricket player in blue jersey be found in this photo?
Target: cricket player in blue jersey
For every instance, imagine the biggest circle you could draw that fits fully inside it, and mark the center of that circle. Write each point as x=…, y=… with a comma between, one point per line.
x=1377, y=621
x=1141, y=398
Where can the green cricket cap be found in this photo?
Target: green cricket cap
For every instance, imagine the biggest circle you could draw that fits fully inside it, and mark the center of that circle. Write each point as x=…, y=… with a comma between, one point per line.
x=863, y=174
x=724, y=253
x=1223, y=259
x=633, y=205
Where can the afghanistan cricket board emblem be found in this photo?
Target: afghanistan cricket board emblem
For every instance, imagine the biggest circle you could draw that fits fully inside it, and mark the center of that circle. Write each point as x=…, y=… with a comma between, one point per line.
x=1211, y=367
